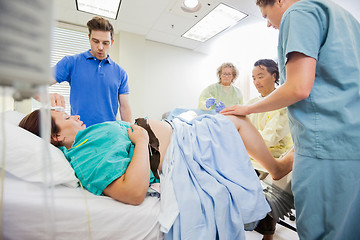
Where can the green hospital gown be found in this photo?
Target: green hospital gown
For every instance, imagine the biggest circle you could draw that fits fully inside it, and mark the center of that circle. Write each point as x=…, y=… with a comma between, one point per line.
x=229, y=95
x=101, y=154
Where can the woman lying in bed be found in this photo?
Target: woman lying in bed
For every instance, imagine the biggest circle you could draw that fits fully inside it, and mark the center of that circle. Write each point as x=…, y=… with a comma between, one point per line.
x=112, y=158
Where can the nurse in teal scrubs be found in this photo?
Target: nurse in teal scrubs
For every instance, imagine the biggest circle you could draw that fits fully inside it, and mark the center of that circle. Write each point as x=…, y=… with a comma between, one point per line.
x=319, y=63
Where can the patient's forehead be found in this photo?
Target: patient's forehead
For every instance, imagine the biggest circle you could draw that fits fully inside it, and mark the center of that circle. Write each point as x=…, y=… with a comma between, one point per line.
x=58, y=115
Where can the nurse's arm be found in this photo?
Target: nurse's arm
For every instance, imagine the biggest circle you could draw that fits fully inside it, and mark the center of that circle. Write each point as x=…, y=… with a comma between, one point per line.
x=132, y=186
x=300, y=76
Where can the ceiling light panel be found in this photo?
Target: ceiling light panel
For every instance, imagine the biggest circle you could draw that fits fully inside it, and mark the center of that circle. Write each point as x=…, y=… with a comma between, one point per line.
x=108, y=8
x=219, y=19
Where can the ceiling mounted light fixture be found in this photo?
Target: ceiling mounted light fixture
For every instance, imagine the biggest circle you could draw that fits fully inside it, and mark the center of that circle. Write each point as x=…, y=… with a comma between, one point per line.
x=108, y=8
x=191, y=6
x=219, y=19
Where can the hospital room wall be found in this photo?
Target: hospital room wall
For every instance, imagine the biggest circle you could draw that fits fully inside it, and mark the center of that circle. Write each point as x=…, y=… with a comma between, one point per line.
x=163, y=77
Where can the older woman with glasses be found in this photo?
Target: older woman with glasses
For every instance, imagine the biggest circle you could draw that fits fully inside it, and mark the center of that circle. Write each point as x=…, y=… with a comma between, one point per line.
x=222, y=94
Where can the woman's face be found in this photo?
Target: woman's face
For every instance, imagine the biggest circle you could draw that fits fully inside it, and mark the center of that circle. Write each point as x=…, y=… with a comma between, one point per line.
x=263, y=80
x=226, y=76
x=69, y=126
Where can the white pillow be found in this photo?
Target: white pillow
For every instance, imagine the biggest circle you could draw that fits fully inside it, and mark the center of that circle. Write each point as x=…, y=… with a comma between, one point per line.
x=12, y=117
x=24, y=153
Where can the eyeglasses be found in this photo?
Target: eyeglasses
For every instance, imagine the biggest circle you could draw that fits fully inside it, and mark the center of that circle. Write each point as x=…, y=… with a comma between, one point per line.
x=226, y=74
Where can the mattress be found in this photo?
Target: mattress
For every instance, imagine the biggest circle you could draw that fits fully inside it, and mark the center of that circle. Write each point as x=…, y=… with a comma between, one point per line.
x=32, y=211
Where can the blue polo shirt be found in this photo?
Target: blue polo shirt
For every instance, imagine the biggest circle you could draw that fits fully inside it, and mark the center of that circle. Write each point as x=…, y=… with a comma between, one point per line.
x=95, y=86
x=101, y=154
x=327, y=123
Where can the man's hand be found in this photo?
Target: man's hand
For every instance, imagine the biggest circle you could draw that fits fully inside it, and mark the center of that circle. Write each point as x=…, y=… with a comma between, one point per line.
x=57, y=100
x=238, y=110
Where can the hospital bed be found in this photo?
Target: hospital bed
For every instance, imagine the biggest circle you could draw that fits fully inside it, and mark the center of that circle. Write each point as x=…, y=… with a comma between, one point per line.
x=37, y=206
x=34, y=208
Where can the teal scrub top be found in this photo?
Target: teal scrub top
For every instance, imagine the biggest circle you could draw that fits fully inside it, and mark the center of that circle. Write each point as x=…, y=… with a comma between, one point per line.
x=327, y=123
x=100, y=154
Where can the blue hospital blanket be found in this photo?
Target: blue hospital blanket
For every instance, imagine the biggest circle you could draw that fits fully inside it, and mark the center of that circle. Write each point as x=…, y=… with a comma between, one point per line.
x=215, y=185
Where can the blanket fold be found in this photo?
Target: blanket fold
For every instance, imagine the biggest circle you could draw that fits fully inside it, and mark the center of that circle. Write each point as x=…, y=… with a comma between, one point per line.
x=216, y=188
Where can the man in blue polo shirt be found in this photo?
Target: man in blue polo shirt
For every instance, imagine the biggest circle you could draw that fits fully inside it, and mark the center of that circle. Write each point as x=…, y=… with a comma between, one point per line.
x=99, y=86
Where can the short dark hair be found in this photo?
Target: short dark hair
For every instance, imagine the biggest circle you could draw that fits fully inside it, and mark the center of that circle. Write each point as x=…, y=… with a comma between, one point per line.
x=271, y=67
x=264, y=3
x=100, y=24
x=31, y=123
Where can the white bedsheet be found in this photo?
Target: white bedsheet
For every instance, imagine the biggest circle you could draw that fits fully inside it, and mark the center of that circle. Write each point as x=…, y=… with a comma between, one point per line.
x=25, y=215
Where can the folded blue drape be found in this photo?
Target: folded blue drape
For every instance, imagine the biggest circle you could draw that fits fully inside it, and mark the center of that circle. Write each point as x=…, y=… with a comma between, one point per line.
x=216, y=187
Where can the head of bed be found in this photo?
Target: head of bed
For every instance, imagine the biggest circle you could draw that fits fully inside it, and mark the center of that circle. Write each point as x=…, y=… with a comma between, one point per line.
x=24, y=155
